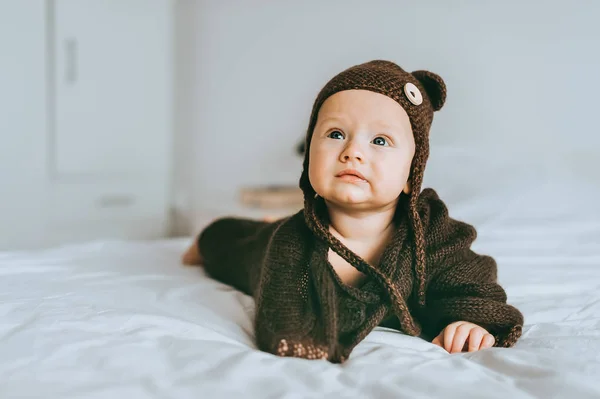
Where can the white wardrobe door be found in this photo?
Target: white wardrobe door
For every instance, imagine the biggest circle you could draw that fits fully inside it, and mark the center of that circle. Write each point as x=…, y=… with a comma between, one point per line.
x=22, y=123
x=112, y=92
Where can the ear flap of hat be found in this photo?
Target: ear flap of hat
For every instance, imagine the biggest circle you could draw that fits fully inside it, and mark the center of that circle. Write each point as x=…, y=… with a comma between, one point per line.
x=434, y=86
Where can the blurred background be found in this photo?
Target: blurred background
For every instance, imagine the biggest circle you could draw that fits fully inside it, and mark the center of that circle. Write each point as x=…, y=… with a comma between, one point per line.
x=144, y=119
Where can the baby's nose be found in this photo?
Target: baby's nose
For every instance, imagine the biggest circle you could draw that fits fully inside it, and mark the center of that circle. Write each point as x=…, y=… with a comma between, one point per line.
x=350, y=157
x=353, y=151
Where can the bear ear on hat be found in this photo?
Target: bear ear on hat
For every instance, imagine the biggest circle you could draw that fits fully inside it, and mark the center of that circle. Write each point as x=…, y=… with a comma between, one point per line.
x=434, y=86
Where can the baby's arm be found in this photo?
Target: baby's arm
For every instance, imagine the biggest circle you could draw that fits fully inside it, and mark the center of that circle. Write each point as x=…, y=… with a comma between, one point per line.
x=461, y=285
x=286, y=323
x=267, y=260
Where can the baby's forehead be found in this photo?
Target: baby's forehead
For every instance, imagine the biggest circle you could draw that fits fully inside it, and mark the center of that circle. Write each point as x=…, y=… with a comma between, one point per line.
x=363, y=106
x=372, y=121
x=381, y=121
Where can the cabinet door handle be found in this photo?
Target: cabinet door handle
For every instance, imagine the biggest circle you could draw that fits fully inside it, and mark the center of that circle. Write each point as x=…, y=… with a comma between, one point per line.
x=70, y=61
x=115, y=201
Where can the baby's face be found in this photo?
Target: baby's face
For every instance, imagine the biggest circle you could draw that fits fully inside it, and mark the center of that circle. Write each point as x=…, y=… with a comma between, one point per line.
x=364, y=132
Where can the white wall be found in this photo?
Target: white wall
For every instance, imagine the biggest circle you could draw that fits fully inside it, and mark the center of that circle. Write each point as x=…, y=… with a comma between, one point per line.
x=521, y=76
x=22, y=122
x=85, y=135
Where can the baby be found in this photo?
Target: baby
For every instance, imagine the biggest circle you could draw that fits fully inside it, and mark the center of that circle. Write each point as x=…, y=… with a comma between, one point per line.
x=369, y=248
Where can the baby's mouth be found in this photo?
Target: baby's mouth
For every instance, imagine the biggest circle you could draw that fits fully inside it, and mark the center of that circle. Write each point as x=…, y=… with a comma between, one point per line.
x=351, y=175
x=352, y=179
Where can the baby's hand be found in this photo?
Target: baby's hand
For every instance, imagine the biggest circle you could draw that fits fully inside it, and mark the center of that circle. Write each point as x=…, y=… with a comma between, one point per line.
x=462, y=335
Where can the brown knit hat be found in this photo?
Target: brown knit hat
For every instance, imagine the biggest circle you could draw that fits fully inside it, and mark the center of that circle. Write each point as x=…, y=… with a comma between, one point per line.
x=420, y=93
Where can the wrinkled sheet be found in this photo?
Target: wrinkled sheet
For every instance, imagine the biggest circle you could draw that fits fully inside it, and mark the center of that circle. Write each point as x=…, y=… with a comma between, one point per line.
x=110, y=319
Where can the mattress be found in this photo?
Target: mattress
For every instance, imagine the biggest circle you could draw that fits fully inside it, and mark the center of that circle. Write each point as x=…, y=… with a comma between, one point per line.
x=118, y=318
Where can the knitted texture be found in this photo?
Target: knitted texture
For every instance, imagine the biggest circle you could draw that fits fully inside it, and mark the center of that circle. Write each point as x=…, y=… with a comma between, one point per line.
x=303, y=309
x=427, y=278
x=387, y=78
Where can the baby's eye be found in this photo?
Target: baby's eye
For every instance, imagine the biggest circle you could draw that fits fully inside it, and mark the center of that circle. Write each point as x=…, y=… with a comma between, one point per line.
x=380, y=141
x=336, y=134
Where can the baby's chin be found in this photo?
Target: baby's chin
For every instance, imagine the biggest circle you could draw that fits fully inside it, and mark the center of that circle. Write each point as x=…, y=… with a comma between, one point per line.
x=357, y=198
x=349, y=197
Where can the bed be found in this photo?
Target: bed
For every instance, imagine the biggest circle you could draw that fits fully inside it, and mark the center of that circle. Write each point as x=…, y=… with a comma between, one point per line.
x=118, y=318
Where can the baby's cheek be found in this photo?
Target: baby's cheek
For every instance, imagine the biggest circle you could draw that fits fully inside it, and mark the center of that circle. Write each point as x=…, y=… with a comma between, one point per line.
x=398, y=170
x=387, y=188
x=317, y=174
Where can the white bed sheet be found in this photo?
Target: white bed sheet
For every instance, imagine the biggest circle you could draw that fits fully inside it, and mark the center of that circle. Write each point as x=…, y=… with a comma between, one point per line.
x=116, y=319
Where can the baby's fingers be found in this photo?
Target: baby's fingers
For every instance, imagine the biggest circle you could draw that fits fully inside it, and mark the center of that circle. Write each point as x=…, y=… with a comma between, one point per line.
x=475, y=339
x=487, y=342
x=460, y=337
x=447, y=336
